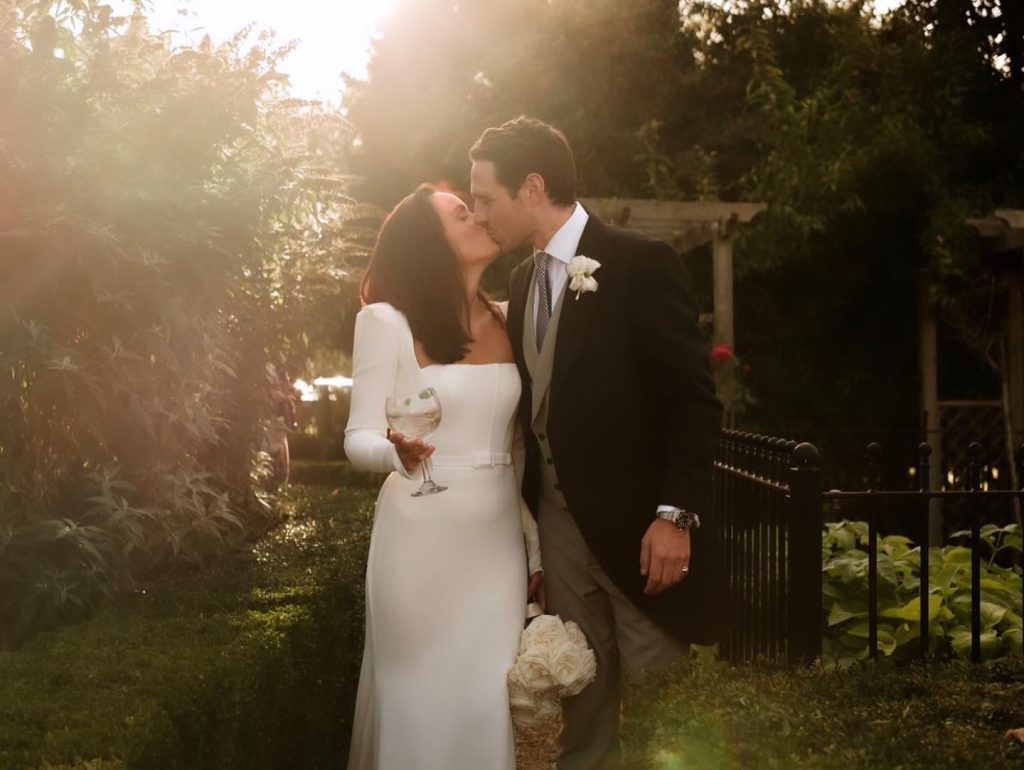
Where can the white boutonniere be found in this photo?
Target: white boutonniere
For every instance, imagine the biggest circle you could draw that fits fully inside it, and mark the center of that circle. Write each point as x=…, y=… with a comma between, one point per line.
x=581, y=272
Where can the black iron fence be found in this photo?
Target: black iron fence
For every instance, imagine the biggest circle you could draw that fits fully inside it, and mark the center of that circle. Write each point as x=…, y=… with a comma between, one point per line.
x=771, y=510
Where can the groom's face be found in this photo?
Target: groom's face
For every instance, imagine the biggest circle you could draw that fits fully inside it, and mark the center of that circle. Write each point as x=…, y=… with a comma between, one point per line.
x=508, y=219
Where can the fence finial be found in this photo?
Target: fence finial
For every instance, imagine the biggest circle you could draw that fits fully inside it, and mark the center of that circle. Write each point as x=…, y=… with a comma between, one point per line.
x=924, y=455
x=805, y=455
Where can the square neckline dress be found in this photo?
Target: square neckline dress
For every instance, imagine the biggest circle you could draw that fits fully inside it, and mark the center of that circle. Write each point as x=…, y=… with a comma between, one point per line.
x=446, y=573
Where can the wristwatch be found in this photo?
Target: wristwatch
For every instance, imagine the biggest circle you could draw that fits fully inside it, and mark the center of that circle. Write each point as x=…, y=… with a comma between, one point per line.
x=682, y=519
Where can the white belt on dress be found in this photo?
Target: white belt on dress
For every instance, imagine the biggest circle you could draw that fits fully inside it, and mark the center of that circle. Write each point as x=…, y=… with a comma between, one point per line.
x=474, y=460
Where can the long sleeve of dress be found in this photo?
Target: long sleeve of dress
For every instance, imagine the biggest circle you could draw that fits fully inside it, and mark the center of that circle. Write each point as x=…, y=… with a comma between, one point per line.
x=375, y=361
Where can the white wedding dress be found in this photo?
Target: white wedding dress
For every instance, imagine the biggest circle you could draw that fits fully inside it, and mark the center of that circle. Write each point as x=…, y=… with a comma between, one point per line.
x=446, y=575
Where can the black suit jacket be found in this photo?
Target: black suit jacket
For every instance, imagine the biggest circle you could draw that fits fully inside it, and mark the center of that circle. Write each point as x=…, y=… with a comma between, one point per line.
x=633, y=419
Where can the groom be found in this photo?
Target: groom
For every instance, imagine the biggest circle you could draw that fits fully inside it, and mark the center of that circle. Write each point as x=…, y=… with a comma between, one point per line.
x=621, y=422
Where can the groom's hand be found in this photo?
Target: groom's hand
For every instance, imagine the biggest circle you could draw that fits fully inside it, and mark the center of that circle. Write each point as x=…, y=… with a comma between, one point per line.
x=664, y=551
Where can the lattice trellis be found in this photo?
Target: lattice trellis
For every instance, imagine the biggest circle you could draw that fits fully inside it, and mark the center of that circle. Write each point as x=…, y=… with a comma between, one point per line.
x=963, y=422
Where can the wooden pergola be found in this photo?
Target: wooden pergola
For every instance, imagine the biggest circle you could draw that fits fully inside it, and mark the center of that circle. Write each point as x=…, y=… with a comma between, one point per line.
x=687, y=225
x=1001, y=235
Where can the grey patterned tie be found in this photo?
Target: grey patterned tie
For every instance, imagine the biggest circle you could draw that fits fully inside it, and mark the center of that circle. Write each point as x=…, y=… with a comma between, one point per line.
x=542, y=258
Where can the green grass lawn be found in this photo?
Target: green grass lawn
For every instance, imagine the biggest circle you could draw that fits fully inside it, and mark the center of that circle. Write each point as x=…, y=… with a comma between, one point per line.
x=713, y=715
x=253, y=665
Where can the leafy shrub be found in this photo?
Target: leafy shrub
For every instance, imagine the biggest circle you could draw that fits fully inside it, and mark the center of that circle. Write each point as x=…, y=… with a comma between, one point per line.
x=845, y=588
x=170, y=226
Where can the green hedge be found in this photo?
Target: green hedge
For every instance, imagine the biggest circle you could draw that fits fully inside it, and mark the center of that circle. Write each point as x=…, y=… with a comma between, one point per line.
x=252, y=665
x=712, y=715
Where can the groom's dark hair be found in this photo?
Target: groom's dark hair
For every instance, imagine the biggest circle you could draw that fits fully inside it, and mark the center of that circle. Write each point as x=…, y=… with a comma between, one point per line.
x=527, y=146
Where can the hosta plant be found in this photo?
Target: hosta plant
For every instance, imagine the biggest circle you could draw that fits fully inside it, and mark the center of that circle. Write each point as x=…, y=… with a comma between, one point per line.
x=845, y=587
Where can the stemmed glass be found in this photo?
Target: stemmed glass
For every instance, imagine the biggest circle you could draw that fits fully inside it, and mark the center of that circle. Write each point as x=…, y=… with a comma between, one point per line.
x=416, y=415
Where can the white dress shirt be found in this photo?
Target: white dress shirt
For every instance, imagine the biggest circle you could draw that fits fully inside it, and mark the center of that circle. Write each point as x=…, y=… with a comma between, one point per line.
x=562, y=247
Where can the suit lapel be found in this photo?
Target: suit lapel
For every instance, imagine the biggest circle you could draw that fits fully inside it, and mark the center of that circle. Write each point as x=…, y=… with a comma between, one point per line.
x=521, y=281
x=576, y=313
x=522, y=278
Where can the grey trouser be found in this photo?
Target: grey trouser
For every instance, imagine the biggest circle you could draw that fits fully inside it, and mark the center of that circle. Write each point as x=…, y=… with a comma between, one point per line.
x=624, y=639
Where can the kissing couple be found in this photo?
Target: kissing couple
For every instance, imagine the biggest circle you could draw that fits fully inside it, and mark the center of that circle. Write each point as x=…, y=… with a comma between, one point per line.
x=571, y=463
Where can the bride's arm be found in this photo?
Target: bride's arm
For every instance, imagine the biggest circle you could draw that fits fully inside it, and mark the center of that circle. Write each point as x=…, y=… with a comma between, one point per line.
x=532, y=539
x=374, y=372
x=530, y=534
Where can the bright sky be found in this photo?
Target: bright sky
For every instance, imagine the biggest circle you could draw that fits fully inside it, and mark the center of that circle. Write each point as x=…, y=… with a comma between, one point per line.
x=334, y=35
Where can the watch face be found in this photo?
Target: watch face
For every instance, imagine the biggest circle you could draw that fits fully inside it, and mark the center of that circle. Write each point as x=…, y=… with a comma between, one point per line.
x=685, y=519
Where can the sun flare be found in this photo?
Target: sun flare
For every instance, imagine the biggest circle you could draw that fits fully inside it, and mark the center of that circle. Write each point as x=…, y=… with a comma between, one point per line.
x=333, y=37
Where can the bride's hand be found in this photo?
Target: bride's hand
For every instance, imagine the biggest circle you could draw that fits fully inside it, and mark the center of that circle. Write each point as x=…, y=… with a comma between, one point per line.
x=535, y=590
x=410, y=451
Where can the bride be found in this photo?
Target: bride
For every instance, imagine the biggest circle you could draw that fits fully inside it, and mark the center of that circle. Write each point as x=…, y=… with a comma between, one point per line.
x=446, y=579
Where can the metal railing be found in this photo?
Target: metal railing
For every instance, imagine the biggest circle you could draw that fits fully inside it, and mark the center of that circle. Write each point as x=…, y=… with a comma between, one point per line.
x=769, y=505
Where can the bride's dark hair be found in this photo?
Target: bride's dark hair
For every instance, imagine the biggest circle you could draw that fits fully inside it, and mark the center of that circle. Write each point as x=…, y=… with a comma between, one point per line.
x=415, y=269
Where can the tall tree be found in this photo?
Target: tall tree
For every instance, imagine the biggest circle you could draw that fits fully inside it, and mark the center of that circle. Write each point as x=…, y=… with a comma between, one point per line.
x=442, y=72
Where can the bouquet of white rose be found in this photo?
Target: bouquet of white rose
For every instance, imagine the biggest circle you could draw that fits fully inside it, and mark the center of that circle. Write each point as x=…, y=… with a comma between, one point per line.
x=554, y=662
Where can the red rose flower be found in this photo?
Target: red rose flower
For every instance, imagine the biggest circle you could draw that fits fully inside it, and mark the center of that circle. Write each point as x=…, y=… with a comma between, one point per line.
x=722, y=354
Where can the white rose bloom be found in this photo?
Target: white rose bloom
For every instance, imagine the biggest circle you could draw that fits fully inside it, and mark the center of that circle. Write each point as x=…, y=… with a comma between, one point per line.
x=554, y=661
x=582, y=283
x=528, y=708
x=575, y=634
x=566, y=664
x=544, y=630
x=580, y=270
x=585, y=674
x=581, y=265
x=534, y=668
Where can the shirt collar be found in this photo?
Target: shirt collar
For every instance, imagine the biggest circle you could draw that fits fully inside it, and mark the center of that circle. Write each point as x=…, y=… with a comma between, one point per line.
x=566, y=241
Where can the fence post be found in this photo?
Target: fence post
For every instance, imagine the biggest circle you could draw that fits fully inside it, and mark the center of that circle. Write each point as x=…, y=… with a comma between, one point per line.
x=974, y=485
x=805, y=616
